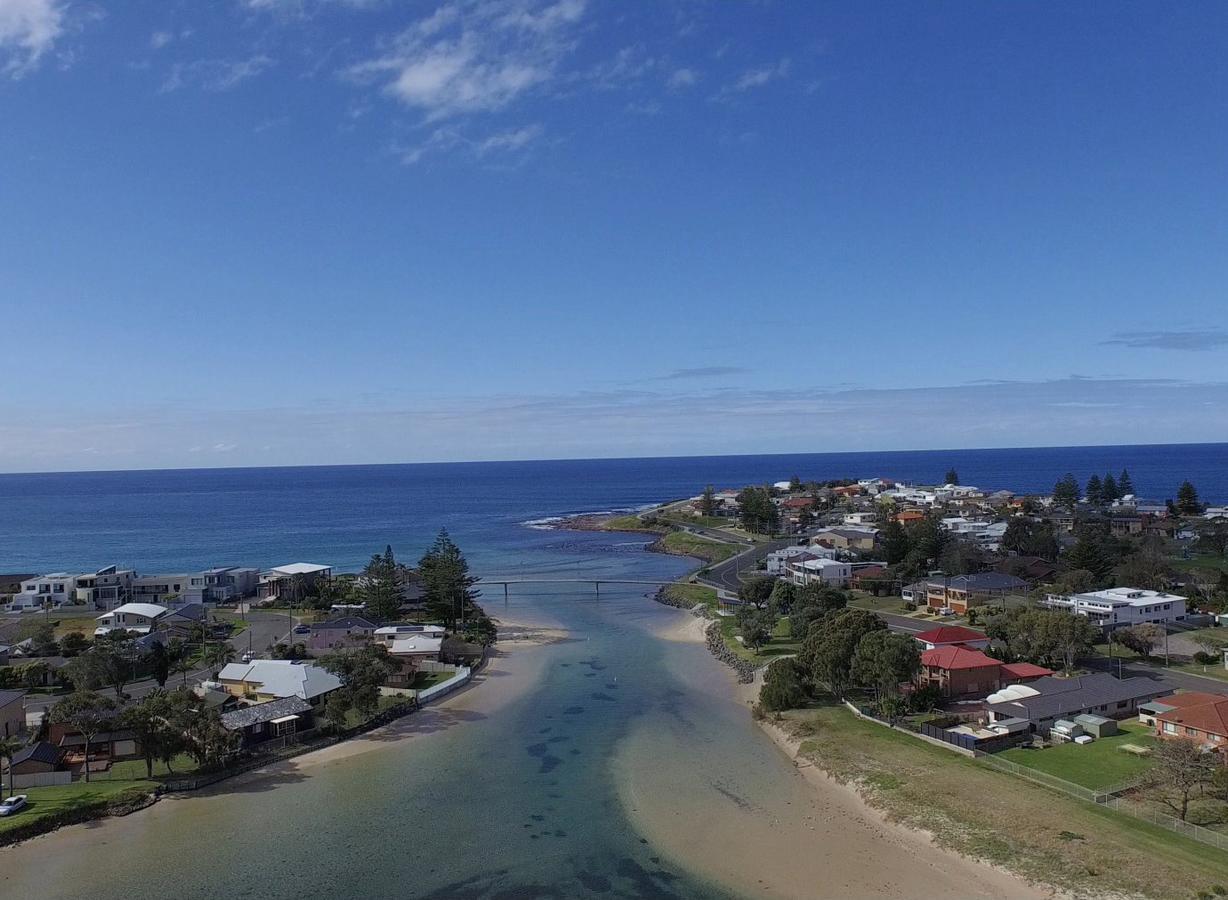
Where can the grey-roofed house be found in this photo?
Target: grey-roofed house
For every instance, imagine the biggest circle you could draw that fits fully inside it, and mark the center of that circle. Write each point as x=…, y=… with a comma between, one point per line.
x=264, y=721
x=961, y=592
x=343, y=631
x=12, y=712
x=35, y=759
x=1044, y=701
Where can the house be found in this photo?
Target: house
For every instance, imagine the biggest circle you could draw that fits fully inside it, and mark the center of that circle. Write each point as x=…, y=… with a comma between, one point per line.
x=10, y=585
x=105, y=589
x=946, y=635
x=141, y=618
x=409, y=646
x=867, y=577
x=184, y=621
x=292, y=582
x=960, y=671
x=777, y=559
x=1196, y=716
x=262, y=722
x=811, y=569
x=40, y=591
x=221, y=584
x=1125, y=525
x=105, y=748
x=1032, y=569
x=1122, y=606
x=38, y=758
x=846, y=538
x=346, y=631
x=272, y=679
x=12, y=713
x=962, y=592
x=860, y=518
x=1042, y=702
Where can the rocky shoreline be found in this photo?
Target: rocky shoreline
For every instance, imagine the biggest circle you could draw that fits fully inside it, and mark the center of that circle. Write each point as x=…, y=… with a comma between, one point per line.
x=714, y=640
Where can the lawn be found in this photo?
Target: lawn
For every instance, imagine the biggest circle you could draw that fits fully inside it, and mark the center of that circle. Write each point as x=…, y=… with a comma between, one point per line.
x=134, y=769
x=46, y=801
x=691, y=594
x=1200, y=562
x=632, y=523
x=1004, y=819
x=684, y=543
x=1100, y=764
x=781, y=643
x=862, y=600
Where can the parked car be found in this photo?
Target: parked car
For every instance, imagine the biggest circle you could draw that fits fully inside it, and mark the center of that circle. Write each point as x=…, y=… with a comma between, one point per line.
x=13, y=804
x=302, y=629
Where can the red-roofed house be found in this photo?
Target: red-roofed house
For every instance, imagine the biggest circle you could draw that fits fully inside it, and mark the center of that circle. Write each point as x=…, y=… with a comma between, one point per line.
x=1195, y=716
x=945, y=635
x=960, y=671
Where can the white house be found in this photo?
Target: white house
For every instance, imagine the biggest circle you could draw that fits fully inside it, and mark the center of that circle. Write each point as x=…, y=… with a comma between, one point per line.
x=812, y=569
x=860, y=518
x=55, y=589
x=272, y=679
x=1122, y=606
x=777, y=559
x=141, y=618
x=107, y=588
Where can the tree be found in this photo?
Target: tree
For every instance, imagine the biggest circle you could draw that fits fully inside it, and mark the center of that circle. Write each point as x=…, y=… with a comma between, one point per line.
x=1180, y=772
x=756, y=626
x=784, y=596
x=1088, y=553
x=961, y=558
x=42, y=641
x=757, y=513
x=160, y=664
x=200, y=727
x=1187, y=500
x=895, y=542
x=9, y=747
x=1213, y=538
x=783, y=686
x=361, y=671
x=1028, y=537
x=1075, y=581
x=215, y=656
x=1142, y=639
x=379, y=587
x=448, y=585
x=1094, y=491
x=952, y=476
x=883, y=661
x=1066, y=491
x=707, y=502
x=756, y=591
x=827, y=652
x=336, y=709
x=73, y=644
x=1109, y=490
x=87, y=713
x=148, y=721
x=1125, y=484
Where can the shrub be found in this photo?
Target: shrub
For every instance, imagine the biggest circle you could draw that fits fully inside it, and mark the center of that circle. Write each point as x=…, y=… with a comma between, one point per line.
x=783, y=686
x=910, y=606
x=1205, y=659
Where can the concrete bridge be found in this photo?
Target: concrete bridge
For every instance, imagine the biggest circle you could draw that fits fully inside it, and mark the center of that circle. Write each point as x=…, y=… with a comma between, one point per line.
x=506, y=582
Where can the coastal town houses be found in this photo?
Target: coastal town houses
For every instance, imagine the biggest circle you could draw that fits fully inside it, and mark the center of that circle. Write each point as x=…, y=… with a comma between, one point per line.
x=105, y=589
x=292, y=582
x=41, y=591
x=140, y=618
x=1194, y=715
x=273, y=679
x=959, y=671
x=812, y=569
x=847, y=539
x=959, y=593
x=949, y=635
x=1043, y=702
x=410, y=648
x=261, y=722
x=12, y=713
x=776, y=560
x=342, y=632
x=1122, y=606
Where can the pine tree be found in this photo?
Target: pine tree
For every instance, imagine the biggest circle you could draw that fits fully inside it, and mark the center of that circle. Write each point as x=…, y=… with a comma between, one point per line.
x=707, y=502
x=1095, y=491
x=952, y=476
x=379, y=589
x=1108, y=489
x=1066, y=491
x=449, y=587
x=895, y=542
x=1124, y=484
x=1187, y=500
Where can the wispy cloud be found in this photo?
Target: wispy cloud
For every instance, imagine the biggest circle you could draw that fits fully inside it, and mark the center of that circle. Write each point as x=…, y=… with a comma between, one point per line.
x=473, y=56
x=449, y=139
x=215, y=74
x=28, y=31
x=160, y=39
x=682, y=78
x=756, y=78
x=702, y=372
x=1193, y=339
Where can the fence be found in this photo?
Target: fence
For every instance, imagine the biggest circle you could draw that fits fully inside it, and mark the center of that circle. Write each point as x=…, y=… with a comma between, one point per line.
x=41, y=779
x=1172, y=823
x=965, y=741
x=462, y=676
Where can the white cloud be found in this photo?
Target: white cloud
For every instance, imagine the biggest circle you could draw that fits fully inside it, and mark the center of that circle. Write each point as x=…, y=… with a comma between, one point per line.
x=754, y=78
x=160, y=39
x=215, y=74
x=28, y=30
x=448, y=139
x=473, y=56
x=682, y=78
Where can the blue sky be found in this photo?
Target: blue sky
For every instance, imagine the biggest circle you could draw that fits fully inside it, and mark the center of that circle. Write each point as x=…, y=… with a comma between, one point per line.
x=260, y=232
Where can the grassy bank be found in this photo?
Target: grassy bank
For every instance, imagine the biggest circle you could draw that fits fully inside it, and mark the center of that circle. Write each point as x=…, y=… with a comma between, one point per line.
x=683, y=543
x=633, y=523
x=683, y=594
x=63, y=801
x=1005, y=820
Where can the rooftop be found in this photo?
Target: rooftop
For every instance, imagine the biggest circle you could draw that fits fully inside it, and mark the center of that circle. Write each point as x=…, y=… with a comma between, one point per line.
x=950, y=634
x=149, y=610
x=282, y=677
x=264, y=712
x=300, y=568
x=1128, y=596
x=957, y=657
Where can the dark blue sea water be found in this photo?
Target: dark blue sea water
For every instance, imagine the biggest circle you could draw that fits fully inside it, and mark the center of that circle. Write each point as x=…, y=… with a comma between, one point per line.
x=342, y=514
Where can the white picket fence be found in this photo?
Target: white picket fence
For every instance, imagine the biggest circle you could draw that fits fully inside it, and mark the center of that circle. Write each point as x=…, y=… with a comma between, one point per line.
x=41, y=779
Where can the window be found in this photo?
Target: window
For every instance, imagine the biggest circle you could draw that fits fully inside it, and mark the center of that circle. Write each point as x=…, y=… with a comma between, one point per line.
x=1170, y=728
x=1190, y=731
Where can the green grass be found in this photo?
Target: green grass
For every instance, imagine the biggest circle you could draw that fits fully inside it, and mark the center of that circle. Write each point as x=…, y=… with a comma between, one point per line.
x=1100, y=764
x=781, y=644
x=691, y=594
x=46, y=801
x=862, y=600
x=354, y=717
x=1200, y=562
x=632, y=523
x=683, y=543
x=134, y=769
x=1003, y=819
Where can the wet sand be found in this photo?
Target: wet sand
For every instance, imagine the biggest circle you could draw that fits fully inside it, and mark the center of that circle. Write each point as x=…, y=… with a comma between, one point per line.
x=807, y=837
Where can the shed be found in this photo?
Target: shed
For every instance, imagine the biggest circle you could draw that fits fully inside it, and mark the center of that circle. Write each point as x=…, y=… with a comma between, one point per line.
x=1065, y=730
x=1098, y=726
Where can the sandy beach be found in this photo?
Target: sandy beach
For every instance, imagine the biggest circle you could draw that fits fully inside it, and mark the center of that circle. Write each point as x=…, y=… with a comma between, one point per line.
x=823, y=841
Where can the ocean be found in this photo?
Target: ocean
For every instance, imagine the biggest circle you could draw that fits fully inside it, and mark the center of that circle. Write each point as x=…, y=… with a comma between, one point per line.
x=191, y=518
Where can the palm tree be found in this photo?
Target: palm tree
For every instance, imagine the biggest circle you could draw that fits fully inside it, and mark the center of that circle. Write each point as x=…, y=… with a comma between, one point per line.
x=9, y=747
x=217, y=655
